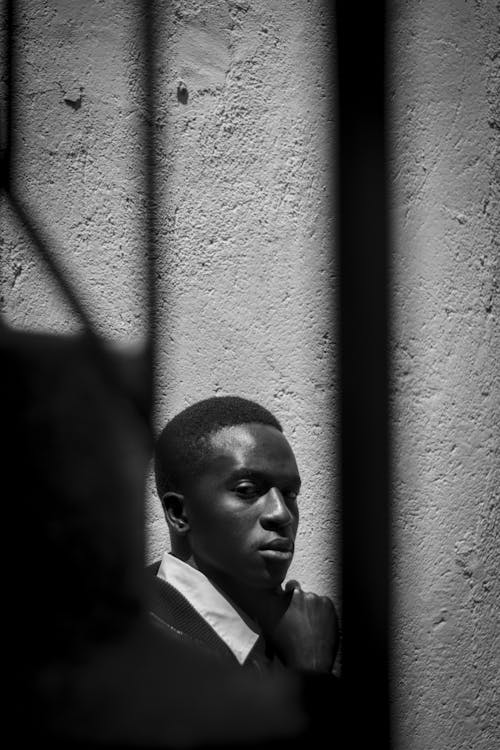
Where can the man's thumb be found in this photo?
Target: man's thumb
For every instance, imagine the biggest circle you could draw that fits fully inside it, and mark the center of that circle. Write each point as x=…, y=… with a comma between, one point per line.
x=292, y=586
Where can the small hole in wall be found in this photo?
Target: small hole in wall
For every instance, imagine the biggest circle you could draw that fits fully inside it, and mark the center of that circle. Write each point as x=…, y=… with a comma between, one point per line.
x=182, y=92
x=73, y=102
x=73, y=97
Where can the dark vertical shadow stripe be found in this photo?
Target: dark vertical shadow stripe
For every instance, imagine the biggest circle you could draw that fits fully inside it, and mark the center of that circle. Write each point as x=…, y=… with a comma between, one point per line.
x=363, y=325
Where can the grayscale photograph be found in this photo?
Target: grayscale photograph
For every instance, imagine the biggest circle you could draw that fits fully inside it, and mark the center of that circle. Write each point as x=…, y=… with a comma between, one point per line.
x=250, y=373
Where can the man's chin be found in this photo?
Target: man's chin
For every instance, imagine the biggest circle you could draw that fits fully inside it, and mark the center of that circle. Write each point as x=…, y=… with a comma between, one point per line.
x=267, y=576
x=275, y=573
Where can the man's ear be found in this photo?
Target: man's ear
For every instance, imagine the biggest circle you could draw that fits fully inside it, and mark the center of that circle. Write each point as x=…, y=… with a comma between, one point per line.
x=175, y=512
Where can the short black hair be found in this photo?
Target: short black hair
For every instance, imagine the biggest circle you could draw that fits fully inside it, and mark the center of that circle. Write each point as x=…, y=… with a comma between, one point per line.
x=183, y=444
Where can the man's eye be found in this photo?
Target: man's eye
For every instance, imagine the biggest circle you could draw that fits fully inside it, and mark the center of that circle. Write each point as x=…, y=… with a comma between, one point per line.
x=246, y=490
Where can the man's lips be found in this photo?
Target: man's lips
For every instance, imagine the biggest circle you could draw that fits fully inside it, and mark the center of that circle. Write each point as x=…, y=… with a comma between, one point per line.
x=280, y=547
x=283, y=544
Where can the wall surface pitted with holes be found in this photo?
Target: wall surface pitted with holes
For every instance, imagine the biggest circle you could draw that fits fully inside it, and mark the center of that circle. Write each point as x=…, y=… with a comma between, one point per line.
x=244, y=142
x=445, y=99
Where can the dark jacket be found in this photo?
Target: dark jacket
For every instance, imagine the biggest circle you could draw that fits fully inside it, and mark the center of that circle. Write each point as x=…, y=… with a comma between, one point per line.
x=170, y=610
x=319, y=694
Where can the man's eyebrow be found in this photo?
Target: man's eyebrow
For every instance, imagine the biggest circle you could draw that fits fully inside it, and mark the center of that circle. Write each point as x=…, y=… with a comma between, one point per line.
x=249, y=473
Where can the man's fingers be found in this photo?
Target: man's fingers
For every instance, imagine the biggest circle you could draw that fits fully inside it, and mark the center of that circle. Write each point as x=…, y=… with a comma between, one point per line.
x=292, y=585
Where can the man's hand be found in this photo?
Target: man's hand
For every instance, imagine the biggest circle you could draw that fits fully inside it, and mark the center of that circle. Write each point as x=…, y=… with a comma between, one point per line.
x=304, y=630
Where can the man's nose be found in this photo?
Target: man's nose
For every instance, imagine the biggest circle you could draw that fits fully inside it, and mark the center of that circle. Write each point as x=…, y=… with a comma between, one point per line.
x=276, y=511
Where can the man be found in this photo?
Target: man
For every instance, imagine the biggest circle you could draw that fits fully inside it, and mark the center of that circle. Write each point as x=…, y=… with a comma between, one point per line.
x=229, y=485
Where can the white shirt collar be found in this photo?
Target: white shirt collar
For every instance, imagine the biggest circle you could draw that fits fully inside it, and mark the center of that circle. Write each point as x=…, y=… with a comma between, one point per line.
x=229, y=623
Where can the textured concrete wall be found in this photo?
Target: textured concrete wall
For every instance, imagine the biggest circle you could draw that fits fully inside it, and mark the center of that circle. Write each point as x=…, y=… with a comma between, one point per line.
x=245, y=247
x=77, y=165
x=445, y=134
x=245, y=231
x=246, y=227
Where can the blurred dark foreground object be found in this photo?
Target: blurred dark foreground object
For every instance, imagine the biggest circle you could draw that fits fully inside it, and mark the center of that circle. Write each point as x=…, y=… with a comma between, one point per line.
x=87, y=667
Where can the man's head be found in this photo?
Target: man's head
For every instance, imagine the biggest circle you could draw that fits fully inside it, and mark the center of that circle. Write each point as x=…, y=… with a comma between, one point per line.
x=228, y=482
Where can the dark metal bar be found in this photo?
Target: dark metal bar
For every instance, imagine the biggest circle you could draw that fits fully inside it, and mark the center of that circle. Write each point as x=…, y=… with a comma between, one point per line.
x=363, y=311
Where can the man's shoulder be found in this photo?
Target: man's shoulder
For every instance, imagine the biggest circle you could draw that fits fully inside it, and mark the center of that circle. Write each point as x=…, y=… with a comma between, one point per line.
x=164, y=600
x=169, y=607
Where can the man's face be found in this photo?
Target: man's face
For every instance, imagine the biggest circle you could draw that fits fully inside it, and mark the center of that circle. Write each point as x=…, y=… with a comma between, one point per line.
x=242, y=508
